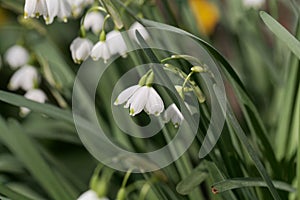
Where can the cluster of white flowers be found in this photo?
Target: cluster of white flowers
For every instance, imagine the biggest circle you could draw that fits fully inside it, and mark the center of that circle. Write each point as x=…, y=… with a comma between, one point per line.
x=91, y=195
x=82, y=48
x=26, y=76
x=49, y=9
x=253, y=3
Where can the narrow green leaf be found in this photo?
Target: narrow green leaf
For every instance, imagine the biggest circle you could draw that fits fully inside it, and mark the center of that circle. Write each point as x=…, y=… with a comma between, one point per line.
x=27, y=152
x=113, y=12
x=194, y=179
x=286, y=37
x=237, y=183
x=12, y=194
x=47, y=109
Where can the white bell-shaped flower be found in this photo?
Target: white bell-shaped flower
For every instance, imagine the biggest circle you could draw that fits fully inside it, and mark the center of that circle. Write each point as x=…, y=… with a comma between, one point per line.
x=64, y=11
x=77, y=6
x=253, y=3
x=116, y=43
x=34, y=8
x=101, y=50
x=80, y=49
x=91, y=195
x=51, y=8
x=94, y=21
x=174, y=115
x=141, y=29
x=48, y=8
x=140, y=98
x=26, y=78
x=34, y=95
x=16, y=56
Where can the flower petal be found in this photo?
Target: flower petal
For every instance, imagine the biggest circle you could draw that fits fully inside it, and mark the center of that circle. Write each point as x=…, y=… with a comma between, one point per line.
x=154, y=104
x=126, y=94
x=138, y=100
x=100, y=50
x=29, y=8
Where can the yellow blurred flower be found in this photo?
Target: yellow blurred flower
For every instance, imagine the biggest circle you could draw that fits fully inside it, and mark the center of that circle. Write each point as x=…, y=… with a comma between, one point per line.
x=3, y=15
x=206, y=14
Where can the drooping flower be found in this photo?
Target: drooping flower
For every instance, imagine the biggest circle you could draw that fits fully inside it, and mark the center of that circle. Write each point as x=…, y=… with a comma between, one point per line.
x=64, y=11
x=101, y=50
x=34, y=8
x=116, y=43
x=140, y=98
x=51, y=10
x=80, y=49
x=173, y=113
x=26, y=78
x=34, y=95
x=77, y=6
x=91, y=195
x=16, y=56
x=141, y=29
x=94, y=21
x=253, y=3
x=48, y=8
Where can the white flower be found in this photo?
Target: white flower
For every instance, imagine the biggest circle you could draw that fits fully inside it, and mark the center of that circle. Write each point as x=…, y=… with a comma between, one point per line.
x=48, y=8
x=90, y=195
x=16, y=56
x=253, y=3
x=140, y=98
x=34, y=8
x=64, y=11
x=51, y=10
x=94, y=21
x=80, y=49
x=34, y=95
x=78, y=6
x=26, y=77
x=101, y=50
x=173, y=113
x=140, y=28
x=116, y=43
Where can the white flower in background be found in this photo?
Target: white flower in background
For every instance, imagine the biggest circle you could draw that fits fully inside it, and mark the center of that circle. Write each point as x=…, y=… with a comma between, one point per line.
x=16, y=56
x=90, y=195
x=101, y=50
x=253, y=3
x=77, y=6
x=94, y=21
x=80, y=49
x=116, y=43
x=173, y=113
x=34, y=95
x=140, y=98
x=64, y=11
x=48, y=8
x=140, y=28
x=34, y=8
x=26, y=78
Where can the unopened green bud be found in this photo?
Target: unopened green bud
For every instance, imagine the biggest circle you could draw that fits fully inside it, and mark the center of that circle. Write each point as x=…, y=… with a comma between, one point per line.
x=121, y=194
x=197, y=69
